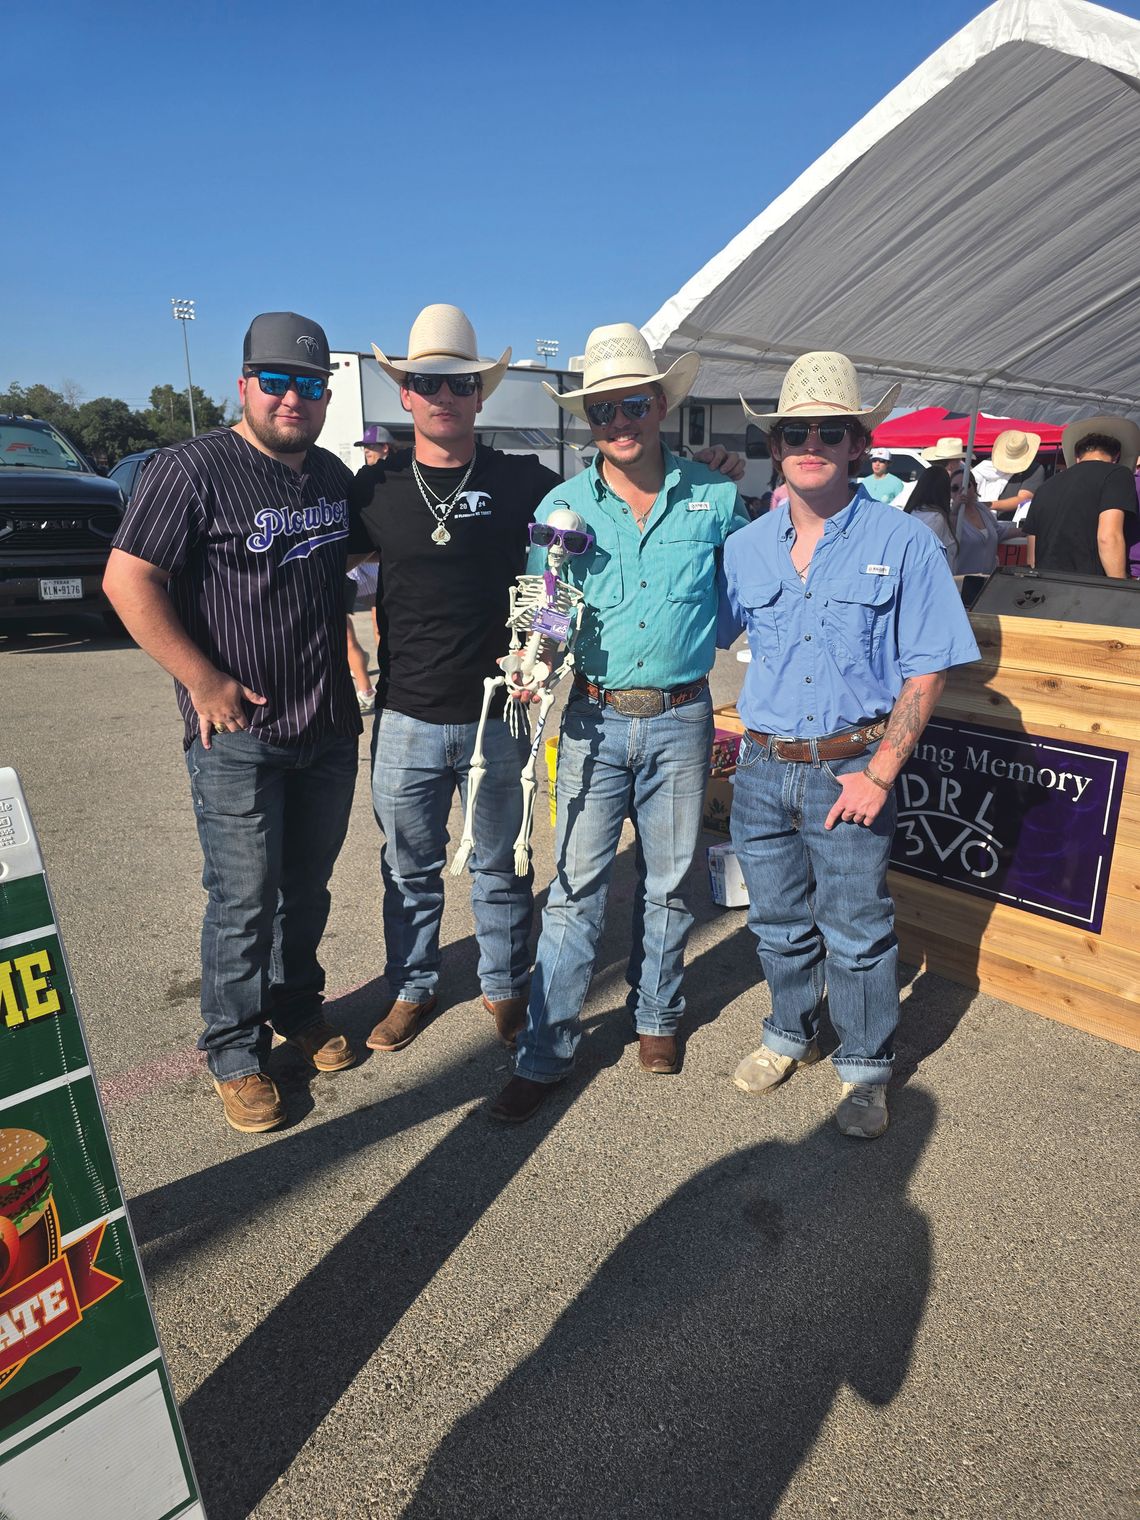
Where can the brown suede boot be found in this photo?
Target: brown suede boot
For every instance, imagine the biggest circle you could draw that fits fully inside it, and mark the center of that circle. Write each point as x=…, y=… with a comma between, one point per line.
x=509, y=1015
x=251, y=1104
x=400, y=1025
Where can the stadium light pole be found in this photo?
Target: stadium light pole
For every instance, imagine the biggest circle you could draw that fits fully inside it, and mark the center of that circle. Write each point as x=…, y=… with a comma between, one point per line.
x=547, y=349
x=184, y=312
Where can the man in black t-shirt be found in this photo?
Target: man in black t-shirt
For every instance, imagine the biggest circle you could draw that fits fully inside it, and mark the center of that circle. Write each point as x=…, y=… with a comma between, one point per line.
x=449, y=525
x=228, y=570
x=1077, y=520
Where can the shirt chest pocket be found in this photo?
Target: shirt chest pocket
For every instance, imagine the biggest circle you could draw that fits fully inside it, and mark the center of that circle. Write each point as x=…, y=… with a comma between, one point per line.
x=858, y=614
x=760, y=601
x=599, y=572
x=689, y=557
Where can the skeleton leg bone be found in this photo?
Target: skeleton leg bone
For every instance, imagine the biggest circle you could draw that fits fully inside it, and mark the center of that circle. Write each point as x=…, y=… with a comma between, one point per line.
x=475, y=780
x=522, y=842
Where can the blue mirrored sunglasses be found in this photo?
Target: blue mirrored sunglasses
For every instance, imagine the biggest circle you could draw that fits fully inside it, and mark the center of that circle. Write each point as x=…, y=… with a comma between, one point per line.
x=274, y=383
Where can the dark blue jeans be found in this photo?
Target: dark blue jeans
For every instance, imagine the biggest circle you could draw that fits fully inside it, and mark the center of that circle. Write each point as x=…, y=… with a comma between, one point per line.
x=271, y=821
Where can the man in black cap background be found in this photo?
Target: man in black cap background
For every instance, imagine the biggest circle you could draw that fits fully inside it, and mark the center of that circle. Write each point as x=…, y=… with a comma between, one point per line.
x=228, y=569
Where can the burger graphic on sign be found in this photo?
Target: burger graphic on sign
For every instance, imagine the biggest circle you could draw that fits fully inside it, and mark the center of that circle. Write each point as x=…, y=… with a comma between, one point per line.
x=44, y=1290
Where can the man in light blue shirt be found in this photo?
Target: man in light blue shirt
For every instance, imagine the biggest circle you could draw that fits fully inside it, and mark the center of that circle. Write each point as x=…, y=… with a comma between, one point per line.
x=880, y=483
x=853, y=619
x=638, y=727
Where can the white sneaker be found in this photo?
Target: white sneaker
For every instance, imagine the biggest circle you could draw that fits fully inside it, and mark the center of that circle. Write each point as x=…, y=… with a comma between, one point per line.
x=764, y=1069
x=862, y=1111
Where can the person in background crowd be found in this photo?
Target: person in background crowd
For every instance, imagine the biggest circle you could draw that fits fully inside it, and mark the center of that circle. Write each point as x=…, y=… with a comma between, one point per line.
x=976, y=529
x=228, y=569
x=881, y=484
x=1007, y=479
x=929, y=500
x=637, y=728
x=1077, y=520
x=852, y=619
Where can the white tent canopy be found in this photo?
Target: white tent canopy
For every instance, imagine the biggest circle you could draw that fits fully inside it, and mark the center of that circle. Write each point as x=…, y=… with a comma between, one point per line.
x=1030, y=300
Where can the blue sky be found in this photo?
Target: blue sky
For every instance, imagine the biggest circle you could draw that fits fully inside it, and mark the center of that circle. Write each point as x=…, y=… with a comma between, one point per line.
x=547, y=167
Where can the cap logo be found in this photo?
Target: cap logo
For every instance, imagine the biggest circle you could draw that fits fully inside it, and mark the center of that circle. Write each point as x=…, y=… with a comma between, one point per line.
x=310, y=345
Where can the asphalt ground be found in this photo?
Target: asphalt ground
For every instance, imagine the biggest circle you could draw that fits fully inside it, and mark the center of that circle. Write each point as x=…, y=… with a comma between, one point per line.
x=658, y=1298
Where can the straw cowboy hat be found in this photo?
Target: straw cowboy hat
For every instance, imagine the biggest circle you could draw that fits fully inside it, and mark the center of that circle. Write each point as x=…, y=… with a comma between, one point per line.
x=618, y=357
x=442, y=342
x=1014, y=451
x=823, y=384
x=1126, y=433
x=945, y=451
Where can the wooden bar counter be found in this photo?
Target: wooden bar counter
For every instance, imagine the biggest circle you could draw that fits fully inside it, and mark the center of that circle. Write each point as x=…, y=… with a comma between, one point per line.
x=1018, y=850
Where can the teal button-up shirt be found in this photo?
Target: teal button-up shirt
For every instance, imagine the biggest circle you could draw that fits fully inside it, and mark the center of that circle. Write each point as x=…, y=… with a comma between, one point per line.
x=650, y=595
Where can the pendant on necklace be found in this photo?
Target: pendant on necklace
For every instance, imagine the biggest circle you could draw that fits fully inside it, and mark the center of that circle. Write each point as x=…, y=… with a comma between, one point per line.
x=441, y=535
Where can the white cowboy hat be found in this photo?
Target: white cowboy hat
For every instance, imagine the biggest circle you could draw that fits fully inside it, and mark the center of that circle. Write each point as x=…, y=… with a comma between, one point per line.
x=618, y=357
x=1126, y=433
x=823, y=384
x=442, y=342
x=945, y=451
x=1014, y=451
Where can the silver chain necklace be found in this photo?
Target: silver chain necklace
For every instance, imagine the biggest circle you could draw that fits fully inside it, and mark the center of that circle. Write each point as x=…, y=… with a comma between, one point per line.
x=441, y=507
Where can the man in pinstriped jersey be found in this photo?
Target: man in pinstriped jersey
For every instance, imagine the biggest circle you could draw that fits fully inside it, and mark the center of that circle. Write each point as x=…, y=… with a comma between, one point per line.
x=228, y=569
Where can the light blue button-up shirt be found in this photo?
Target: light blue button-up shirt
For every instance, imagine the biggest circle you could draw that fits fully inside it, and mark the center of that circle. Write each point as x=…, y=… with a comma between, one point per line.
x=879, y=605
x=651, y=595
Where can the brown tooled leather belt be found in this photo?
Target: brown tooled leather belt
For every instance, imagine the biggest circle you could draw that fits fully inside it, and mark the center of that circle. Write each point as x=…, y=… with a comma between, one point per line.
x=640, y=701
x=851, y=741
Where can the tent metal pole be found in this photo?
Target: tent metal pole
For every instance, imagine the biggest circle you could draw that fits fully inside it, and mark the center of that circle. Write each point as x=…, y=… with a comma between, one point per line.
x=975, y=413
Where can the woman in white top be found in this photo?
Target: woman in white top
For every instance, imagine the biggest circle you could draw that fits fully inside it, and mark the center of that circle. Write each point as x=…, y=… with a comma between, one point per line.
x=977, y=531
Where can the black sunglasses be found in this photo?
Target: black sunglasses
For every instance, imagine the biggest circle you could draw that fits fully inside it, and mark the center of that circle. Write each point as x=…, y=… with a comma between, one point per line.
x=574, y=542
x=602, y=413
x=458, y=385
x=795, y=434
x=275, y=383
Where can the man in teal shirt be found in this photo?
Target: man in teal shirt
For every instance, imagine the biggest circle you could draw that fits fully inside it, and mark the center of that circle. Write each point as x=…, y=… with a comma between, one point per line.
x=880, y=483
x=638, y=727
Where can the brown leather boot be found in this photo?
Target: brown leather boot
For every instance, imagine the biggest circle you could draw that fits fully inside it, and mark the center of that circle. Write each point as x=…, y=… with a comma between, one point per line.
x=251, y=1104
x=509, y=1015
x=322, y=1047
x=657, y=1053
x=400, y=1025
x=519, y=1101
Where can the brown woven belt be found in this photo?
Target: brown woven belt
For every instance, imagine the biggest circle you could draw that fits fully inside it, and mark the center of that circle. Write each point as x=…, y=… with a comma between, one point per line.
x=851, y=741
x=640, y=701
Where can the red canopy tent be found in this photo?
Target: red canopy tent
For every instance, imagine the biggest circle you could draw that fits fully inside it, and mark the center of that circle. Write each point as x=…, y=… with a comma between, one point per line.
x=918, y=429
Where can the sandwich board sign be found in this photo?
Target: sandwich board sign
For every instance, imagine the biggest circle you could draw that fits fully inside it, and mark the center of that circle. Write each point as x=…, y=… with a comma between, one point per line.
x=88, y=1421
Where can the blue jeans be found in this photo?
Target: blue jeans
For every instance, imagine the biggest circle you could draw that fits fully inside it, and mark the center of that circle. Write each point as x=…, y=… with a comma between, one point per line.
x=271, y=820
x=819, y=909
x=654, y=771
x=416, y=770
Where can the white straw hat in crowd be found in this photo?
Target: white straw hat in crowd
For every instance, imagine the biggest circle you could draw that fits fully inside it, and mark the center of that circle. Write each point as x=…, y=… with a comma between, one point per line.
x=823, y=384
x=1014, y=451
x=1126, y=433
x=945, y=451
x=617, y=357
x=442, y=342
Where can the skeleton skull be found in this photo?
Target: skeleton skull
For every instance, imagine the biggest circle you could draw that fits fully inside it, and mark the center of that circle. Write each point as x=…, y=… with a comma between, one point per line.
x=562, y=518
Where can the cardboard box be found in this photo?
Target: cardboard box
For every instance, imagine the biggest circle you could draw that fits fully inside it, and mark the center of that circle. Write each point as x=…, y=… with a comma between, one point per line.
x=726, y=880
x=718, y=805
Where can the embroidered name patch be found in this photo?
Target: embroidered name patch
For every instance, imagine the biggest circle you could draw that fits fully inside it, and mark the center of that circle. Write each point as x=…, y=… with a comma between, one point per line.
x=877, y=570
x=699, y=506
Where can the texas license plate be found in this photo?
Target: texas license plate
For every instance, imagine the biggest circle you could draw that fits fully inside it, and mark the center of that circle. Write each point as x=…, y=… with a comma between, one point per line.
x=64, y=589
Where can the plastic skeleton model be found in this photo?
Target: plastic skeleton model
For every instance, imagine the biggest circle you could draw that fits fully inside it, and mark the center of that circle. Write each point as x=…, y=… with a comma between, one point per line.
x=545, y=614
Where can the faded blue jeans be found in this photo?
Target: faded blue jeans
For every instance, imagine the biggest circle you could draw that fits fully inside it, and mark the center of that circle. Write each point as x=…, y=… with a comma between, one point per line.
x=820, y=909
x=416, y=769
x=654, y=771
x=271, y=820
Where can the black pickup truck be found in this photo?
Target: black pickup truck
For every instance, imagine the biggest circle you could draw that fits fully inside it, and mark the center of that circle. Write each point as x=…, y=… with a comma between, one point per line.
x=57, y=519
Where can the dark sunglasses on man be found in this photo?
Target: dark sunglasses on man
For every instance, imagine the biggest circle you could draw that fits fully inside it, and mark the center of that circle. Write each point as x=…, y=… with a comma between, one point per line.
x=542, y=535
x=795, y=434
x=602, y=413
x=458, y=385
x=275, y=383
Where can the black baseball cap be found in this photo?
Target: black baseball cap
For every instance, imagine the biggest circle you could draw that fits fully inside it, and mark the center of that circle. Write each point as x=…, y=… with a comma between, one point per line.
x=283, y=340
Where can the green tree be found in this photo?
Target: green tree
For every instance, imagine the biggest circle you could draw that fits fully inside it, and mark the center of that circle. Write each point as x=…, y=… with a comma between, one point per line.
x=39, y=401
x=107, y=429
x=168, y=417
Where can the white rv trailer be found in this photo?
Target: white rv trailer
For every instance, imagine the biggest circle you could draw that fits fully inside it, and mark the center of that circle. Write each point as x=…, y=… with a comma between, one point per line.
x=521, y=418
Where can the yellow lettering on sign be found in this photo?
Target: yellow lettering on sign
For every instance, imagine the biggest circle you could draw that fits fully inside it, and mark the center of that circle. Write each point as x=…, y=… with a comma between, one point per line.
x=24, y=994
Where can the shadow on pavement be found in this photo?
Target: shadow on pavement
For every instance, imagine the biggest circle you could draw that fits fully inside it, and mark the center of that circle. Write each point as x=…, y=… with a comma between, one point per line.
x=695, y=1372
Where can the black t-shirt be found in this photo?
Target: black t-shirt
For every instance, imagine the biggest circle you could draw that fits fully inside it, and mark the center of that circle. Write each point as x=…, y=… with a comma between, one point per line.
x=442, y=608
x=1065, y=512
